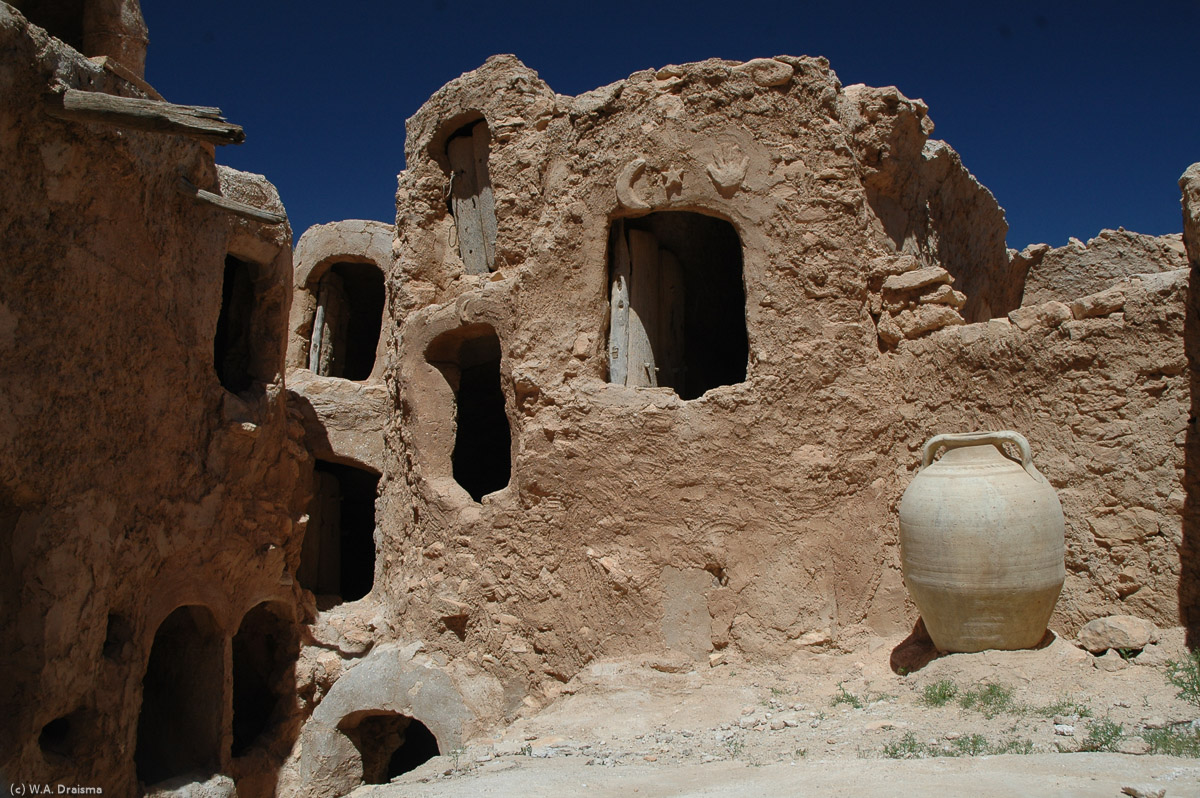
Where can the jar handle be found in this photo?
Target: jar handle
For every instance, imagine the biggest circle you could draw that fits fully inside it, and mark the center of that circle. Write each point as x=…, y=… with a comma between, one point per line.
x=956, y=440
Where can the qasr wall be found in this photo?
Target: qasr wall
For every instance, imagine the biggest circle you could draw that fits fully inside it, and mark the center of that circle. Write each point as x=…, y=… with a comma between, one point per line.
x=162, y=478
x=132, y=483
x=759, y=519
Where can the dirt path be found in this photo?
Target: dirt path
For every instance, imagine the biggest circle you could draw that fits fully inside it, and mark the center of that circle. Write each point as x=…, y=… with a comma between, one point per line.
x=1042, y=722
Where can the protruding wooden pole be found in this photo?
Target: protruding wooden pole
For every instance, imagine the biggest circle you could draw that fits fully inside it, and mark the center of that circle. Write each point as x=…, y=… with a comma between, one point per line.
x=154, y=116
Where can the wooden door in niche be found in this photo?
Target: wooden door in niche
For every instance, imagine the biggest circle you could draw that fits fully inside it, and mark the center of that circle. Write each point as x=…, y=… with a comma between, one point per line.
x=646, y=325
x=471, y=199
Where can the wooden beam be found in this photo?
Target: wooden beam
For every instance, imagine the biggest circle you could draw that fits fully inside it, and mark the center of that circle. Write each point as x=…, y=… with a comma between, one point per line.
x=224, y=203
x=154, y=116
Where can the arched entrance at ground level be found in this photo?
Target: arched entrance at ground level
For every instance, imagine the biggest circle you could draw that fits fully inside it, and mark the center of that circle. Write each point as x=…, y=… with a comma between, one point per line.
x=179, y=727
x=264, y=654
x=390, y=744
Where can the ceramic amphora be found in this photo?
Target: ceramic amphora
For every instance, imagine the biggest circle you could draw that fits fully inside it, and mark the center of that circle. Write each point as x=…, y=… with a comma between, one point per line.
x=981, y=543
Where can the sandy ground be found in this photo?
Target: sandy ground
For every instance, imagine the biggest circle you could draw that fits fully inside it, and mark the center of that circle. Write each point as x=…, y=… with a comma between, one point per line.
x=836, y=723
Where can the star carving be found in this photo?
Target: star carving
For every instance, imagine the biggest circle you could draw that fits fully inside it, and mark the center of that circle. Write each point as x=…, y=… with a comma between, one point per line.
x=674, y=179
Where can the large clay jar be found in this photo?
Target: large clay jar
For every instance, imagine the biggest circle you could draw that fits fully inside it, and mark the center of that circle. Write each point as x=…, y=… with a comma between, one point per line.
x=981, y=543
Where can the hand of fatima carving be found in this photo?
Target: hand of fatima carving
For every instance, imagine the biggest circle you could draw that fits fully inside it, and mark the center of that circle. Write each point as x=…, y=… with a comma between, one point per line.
x=728, y=168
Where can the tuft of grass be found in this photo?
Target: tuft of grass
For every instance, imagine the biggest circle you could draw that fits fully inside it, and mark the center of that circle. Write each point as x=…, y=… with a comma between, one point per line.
x=1173, y=742
x=939, y=693
x=844, y=697
x=1064, y=706
x=735, y=746
x=1103, y=735
x=990, y=699
x=909, y=747
x=1186, y=676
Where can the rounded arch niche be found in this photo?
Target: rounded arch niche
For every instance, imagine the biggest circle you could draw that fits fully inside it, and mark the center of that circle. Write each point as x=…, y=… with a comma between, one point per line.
x=468, y=357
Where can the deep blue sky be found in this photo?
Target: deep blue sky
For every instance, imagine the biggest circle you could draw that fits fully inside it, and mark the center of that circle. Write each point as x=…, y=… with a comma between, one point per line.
x=1077, y=115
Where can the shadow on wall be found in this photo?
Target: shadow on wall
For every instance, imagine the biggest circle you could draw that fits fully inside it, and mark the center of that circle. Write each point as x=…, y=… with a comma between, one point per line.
x=265, y=721
x=180, y=729
x=1189, y=551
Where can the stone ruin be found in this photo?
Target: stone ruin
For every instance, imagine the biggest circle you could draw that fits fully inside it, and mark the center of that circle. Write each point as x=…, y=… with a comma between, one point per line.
x=641, y=370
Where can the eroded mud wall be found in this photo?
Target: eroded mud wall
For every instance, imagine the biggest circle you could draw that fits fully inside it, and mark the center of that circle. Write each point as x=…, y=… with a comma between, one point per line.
x=760, y=517
x=131, y=482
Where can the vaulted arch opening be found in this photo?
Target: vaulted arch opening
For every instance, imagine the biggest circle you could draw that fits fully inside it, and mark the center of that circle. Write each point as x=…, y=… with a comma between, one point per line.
x=264, y=655
x=389, y=743
x=179, y=727
x=337, y=561
x=469, y=358
x=349, y=317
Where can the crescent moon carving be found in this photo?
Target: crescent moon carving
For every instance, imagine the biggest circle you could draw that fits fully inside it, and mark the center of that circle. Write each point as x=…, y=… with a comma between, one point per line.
x=625, y=180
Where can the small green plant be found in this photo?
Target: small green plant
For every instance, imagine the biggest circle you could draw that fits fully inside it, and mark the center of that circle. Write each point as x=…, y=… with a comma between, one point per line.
x=800, y=753
x=1128, y=653
x=990, y=699
x=939, y=693
x=969, y=745
x=1103, y=735
x=526, y=750
x=1014, y=746
x=1186, y=676
x=909, y=747
x=455, y=756
x=735, y=745
x=776, y=692
x=844, y=697
x=1064, y=706
x=1173, y=742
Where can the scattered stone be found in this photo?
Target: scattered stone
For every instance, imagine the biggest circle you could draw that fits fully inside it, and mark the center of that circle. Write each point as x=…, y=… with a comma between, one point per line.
x=926, y=318
x=911, y=281
x=778, y=724
x=1117, y=632
x=1048, y=314
x=1155, y=722
x=767, y=71
x=1064, y=730
x=1101, y=304
x=1109, y=662
x=716, y=658
x=879, y=725
x=1151, y=655
x=1133, y=745
x=187, y=786
x=1144, y=792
